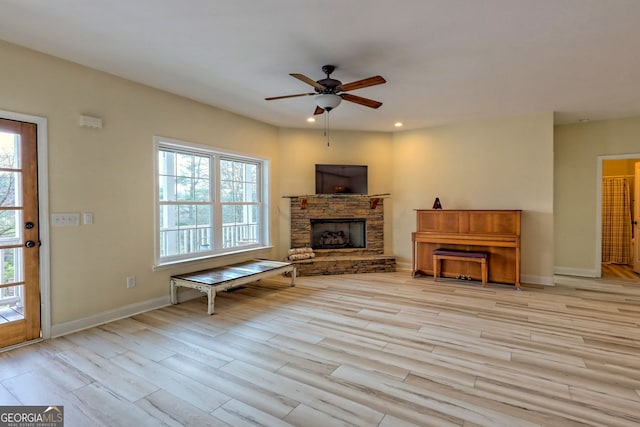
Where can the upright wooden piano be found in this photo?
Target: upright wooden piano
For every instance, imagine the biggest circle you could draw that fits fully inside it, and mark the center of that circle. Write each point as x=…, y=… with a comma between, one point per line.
x=496, y=232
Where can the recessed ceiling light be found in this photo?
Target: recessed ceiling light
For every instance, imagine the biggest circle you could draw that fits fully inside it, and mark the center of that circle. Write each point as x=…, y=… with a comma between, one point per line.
x=311, y=119
x=398, y=124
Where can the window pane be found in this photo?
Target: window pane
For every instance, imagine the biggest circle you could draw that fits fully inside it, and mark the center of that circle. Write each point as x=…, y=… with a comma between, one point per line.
x=252, y=193
x=254, y=214
x=10, y=221
x=203, y=214
x=9, y=150
x=202, y=168
x=10, y=188
x=184, y=177
x=238, y=181
x=186, y=164
x=185, y=191
x=186, y=215
x=204, y=238
x=168, y=243
x=183, y=241
x=11, y=267
x=202, y=190
x=185, y=229
x=168, y=216
x=238, y=227
x=250, y=172
x=226, y=191
x=167, y=188
x=226, y=170
x=11, y=303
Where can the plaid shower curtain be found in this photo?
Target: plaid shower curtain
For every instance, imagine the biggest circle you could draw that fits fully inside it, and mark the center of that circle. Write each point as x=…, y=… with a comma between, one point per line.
x=616, y=221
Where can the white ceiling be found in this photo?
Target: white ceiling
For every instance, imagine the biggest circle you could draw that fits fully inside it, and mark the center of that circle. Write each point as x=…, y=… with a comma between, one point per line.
x=445, y=61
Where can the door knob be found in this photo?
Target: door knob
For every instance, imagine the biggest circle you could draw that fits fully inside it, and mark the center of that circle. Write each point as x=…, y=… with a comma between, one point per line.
x=30, y=243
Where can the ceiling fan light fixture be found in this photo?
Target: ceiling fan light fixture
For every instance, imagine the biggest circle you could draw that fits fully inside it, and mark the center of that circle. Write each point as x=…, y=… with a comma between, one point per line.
x=328, y=101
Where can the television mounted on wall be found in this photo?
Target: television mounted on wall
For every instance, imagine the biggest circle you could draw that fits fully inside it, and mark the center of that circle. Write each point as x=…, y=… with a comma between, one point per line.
x=341, y=179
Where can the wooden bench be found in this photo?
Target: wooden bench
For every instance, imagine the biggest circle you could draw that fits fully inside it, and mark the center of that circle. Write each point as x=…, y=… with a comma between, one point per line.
x=457, y=255
x=231, y=276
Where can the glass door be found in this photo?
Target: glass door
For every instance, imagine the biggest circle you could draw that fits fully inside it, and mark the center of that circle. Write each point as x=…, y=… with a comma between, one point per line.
x=19, y=235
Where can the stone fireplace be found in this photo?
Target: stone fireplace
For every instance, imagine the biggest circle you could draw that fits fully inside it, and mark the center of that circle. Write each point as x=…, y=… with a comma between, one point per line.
x=346, y=233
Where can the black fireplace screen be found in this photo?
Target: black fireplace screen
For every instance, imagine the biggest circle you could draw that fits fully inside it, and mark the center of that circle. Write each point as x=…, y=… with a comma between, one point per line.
x=338, y=233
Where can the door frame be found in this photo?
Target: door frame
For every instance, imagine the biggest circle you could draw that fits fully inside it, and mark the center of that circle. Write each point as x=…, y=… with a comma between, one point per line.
x=601, y=160
x=43, y=214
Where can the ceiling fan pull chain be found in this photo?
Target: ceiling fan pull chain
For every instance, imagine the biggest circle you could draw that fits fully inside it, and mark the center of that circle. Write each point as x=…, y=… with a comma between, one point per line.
x=326, y=127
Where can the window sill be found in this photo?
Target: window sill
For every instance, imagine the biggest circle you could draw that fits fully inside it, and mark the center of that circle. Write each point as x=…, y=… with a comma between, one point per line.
x=193, y=261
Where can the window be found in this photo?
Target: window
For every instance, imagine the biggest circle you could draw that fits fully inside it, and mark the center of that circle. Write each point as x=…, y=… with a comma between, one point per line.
x=209, y=202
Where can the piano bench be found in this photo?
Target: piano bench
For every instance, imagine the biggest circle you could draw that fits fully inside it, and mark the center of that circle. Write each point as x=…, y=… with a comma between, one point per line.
x=455, y=255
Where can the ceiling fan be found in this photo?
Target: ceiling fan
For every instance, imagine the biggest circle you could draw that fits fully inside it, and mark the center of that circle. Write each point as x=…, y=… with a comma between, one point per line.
x=328, y=91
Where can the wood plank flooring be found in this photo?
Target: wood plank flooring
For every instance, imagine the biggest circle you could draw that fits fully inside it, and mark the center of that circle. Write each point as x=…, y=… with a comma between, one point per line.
x=621, y=271
x=378, y=349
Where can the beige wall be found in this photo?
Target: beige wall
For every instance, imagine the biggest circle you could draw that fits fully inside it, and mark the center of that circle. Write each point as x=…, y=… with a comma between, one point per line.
x=577, y=148
x=500, y=164
x=109, y=172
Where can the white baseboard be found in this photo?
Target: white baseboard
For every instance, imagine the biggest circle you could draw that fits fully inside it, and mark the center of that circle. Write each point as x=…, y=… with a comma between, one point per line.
x=524, y=278
x=537, y=280
x=404, y=266
x=568, y=271
x=65, y=328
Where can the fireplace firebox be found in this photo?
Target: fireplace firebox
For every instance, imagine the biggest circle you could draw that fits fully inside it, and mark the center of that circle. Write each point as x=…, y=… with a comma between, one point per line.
x=338, y=233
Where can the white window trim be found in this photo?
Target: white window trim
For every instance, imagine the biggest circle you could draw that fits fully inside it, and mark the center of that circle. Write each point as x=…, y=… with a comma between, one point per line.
x=160, y=142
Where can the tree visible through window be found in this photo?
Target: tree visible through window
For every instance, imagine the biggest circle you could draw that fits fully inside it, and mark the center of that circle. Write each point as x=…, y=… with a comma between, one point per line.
x=10, y=220
x=209, y=202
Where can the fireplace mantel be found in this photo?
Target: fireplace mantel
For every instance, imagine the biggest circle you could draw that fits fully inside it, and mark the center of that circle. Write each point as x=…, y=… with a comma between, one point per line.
x=374, y=199
x=338, y=195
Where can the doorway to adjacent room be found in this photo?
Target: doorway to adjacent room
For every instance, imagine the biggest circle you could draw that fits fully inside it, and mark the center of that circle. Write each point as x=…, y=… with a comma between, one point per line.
x=618, y=213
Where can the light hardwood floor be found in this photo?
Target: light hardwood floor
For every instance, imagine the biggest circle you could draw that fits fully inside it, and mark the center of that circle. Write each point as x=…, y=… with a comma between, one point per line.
x=365, y=350
x=620, y=271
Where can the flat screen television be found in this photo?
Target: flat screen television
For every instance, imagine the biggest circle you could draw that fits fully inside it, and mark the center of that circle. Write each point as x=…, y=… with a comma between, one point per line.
x=341, y=179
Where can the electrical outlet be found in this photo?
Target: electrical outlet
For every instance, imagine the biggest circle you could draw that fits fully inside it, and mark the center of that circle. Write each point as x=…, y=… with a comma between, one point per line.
x=131, y=282
x=65, y=219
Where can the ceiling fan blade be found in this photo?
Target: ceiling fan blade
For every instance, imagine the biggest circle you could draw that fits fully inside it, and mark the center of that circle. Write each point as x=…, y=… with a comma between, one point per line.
x=360, y=100
x=288, y=96
x=307, y=80
x=359, y=84
x=318, y=111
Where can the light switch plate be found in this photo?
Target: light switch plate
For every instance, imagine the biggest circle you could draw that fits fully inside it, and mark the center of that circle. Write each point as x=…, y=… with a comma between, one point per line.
x=87, y=218
x=65, y=219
